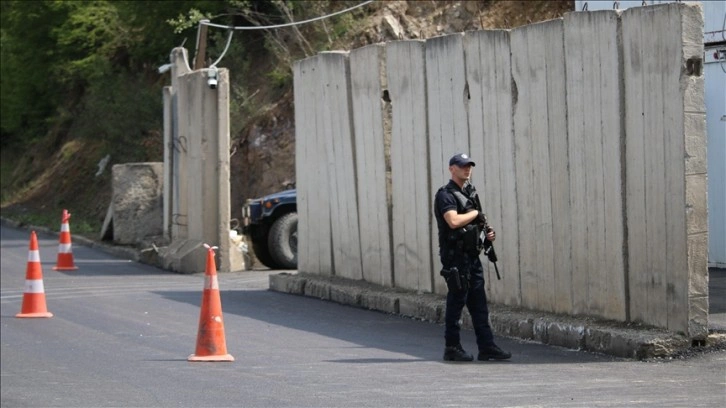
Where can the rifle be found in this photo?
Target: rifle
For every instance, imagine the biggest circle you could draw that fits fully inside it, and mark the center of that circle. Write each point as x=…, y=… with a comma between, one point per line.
x=487, y=245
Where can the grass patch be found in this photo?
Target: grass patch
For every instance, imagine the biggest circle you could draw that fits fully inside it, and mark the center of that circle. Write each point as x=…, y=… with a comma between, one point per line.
x=30, y=218
x=7, y=165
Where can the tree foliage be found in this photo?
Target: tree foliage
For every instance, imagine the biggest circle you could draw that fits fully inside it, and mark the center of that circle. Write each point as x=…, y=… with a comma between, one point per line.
x=27, y=50
x=54, y=50
x=60, y=57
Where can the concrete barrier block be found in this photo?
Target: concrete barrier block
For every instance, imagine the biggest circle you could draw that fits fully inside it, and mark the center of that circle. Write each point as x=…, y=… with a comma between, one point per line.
x=693, y=94
x=510, y=323
x=566, y=335
x=137, y=201
x=346, y=295
x=386, y=302
x=692, y=29
x=278, y=283
x=317, y=288
x=503, y=325
x=539, y=331
x=655, y=347
x=632, y=343
x=421, y=306
x=408, y=305
x=600, y=339
x=698, y=317
x=698, y=265
x=696, y=203
x=695, y=134
x=596, y=339
x=525, y=328
x=183, y=256
x=287, y=283
x=435, y=311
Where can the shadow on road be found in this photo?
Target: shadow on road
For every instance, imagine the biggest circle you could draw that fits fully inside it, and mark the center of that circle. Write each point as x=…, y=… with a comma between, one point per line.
x=371, y=329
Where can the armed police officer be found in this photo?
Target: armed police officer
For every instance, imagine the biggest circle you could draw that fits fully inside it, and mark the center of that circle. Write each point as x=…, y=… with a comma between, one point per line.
x=460, y=225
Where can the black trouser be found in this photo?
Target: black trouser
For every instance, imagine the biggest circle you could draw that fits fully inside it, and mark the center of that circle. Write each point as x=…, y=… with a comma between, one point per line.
x=475, y=300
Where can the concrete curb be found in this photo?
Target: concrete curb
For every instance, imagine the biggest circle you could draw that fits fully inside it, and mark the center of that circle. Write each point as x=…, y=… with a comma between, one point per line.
x=620, y=340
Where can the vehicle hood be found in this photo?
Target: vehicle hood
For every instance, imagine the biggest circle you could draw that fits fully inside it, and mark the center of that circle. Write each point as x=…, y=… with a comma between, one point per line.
x=280, y=195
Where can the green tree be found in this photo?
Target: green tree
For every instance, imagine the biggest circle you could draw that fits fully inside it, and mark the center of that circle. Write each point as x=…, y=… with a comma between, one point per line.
x=27, y=51
x=52, y=50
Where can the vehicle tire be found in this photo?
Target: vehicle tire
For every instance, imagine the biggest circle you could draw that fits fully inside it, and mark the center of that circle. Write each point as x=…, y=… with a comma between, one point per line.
x=282, y=241
x=259, y=246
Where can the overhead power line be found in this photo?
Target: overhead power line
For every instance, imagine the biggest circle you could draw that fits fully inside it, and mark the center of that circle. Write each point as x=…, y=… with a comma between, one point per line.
x=206, y=22
x=294, y=23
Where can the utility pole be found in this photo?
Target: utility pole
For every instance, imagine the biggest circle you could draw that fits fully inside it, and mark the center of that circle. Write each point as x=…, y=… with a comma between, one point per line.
x=202, y=50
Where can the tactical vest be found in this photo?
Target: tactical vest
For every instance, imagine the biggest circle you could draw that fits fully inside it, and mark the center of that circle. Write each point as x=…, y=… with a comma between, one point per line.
x=460, y=242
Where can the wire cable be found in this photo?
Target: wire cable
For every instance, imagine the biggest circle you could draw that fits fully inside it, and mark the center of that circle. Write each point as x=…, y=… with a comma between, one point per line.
x=231, y=28
x=226, y=47
x=206, y=22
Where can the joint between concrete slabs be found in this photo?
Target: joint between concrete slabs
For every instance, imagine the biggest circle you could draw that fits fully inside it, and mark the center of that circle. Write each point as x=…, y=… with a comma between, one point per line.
x=563, y=331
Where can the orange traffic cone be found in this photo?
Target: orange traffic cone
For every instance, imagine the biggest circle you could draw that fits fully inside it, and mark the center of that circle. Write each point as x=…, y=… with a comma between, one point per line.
x=34, y=295
x=211, y=345
x=65, y=251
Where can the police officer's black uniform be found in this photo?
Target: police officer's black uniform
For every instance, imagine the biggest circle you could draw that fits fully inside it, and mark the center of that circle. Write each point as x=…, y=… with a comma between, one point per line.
x=464, y=276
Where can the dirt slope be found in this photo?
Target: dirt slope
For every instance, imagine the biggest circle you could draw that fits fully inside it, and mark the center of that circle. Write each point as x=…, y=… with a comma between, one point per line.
x=263, y=160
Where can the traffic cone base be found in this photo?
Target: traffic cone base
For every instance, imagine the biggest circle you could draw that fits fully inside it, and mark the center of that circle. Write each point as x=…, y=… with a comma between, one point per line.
x=34, y=293
x=226, y=357
x=65, y=248
x=211, y=344
x=64, y=268
x=42, y=314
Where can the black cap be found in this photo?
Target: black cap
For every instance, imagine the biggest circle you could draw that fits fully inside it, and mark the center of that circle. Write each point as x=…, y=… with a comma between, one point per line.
x=461, y=160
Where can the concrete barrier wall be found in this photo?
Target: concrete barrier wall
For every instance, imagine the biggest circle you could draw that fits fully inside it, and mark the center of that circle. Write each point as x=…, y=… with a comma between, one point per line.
x=447, y=105
x=136, y=202
x=538, y=72
x=666, y=173
x=339, y=158
x=180, y=147
x=596, y=222
x=588, y=133
x=410, y=190
x=367, y=74
x=306, y=168
x=491, y=101
x=312, y=178
x=196, y=164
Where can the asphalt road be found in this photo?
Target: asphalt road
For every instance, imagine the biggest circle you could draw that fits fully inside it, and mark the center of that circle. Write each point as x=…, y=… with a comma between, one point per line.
x=122, y=332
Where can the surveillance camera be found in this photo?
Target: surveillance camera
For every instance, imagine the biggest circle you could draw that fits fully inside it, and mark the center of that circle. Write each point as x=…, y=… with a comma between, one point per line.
x=212, y=78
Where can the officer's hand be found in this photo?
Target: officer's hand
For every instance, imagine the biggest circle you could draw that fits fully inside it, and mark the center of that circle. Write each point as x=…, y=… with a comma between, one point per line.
x=491, y=235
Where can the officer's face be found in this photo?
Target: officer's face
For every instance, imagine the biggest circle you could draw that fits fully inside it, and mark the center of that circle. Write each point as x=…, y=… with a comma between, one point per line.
x=461, y=173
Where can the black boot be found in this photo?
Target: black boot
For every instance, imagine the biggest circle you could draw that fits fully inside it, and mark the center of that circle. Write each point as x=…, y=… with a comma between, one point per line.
x=493, y=352
x=456, y=353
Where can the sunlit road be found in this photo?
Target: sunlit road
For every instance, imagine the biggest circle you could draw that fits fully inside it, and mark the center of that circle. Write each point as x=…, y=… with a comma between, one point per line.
x=121, y=334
